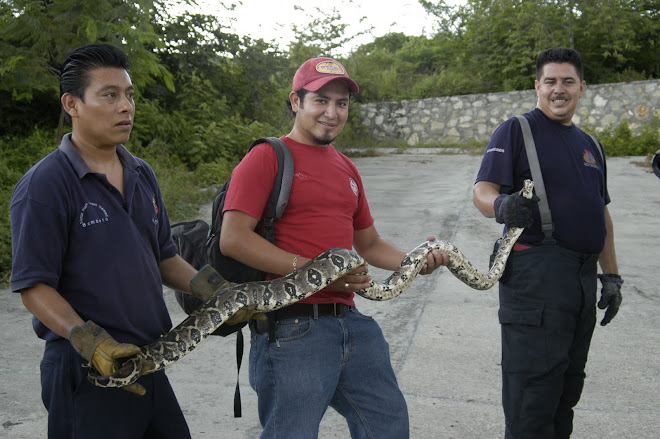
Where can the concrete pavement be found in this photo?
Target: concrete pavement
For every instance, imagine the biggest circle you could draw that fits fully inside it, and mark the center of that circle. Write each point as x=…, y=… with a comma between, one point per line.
x=444, y=337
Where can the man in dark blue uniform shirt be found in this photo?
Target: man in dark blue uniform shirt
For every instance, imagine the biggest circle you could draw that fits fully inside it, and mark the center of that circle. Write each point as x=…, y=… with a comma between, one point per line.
x=548, y=300
x=91, y=247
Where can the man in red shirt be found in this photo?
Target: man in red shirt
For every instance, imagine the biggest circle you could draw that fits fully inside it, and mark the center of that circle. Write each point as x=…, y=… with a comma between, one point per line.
x=322, y=351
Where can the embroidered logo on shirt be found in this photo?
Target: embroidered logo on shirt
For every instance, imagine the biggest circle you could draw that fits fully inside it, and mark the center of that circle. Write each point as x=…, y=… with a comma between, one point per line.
x=92, y=214
x=501, y=150
x=589, y=159
x=155, y=218
x=354, y=186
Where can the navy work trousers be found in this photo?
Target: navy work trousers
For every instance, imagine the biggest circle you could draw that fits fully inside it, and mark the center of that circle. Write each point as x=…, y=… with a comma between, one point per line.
x=547, y=315
x=78, y=409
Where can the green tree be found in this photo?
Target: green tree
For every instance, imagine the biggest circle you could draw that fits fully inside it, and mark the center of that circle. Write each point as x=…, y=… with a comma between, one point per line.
x=499, y=39
x=325, y=34
x=224, y=84
x=36, y=35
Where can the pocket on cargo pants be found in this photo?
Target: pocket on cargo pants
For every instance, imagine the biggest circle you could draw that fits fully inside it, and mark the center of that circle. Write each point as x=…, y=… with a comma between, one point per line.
x=523, y=337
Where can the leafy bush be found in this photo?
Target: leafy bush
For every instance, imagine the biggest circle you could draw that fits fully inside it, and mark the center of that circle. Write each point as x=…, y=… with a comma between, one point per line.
x=181, y=193
x=214, y=174
x=620, y=141
x=17, y=156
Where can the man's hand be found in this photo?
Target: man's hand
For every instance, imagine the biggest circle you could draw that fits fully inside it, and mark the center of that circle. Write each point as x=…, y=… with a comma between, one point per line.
x=514, y=210
x=610, y=297
x=434, y=260
x=207, y=282
x=103, y=352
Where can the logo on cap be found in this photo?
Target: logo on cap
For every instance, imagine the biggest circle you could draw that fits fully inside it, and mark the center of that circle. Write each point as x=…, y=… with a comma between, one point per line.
x=330, y=67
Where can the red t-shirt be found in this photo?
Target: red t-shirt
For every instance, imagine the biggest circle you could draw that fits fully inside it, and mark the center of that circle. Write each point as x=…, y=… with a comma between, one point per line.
x=326, y=204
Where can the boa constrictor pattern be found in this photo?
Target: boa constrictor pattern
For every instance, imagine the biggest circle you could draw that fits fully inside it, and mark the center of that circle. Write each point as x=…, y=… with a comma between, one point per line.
x=274, y=294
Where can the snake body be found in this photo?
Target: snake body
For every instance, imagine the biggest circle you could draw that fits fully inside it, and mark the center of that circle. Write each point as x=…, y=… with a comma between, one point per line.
x=318, y=273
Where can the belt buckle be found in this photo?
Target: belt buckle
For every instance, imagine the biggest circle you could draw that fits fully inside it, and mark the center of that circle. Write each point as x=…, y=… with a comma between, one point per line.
x=340, y=309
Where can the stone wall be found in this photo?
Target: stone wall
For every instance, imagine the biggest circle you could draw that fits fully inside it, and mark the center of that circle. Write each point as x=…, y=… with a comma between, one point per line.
x=475, y=117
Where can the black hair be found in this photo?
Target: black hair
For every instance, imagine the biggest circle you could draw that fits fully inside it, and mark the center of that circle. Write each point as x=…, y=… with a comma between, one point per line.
x=559, y=55
x=74, y=76
x=301, y=95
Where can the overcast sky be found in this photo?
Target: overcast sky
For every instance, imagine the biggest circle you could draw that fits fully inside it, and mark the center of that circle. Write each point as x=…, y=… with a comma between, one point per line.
x=271, y=19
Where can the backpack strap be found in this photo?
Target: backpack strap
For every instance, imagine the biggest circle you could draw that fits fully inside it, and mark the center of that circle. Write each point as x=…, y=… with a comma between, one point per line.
x=539, y=187
x=239, y=359
x=279, y=197
x=599, y=148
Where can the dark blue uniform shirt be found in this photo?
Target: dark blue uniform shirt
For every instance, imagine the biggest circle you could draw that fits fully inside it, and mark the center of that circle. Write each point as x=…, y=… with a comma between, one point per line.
x=573, y=171
x=72, y=230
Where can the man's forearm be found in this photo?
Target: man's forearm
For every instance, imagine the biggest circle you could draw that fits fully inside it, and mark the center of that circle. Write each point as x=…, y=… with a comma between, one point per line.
x=46, y=304
x=176, y=273
x=607, y=258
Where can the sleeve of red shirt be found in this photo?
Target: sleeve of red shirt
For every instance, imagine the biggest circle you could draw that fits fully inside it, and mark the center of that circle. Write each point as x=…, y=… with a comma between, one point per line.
x=252, y=182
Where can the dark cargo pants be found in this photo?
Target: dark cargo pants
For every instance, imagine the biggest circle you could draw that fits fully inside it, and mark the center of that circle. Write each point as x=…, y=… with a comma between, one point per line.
x=547, y=315
x=77, y=409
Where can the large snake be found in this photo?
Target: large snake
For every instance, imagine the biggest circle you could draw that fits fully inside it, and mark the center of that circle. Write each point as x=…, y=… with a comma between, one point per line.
x=274, y=294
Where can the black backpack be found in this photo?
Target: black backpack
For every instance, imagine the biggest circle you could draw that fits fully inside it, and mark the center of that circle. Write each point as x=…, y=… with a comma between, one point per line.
x=199, y=244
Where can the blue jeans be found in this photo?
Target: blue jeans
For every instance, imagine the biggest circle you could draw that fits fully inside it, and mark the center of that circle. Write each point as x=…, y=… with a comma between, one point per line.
x=341, y=362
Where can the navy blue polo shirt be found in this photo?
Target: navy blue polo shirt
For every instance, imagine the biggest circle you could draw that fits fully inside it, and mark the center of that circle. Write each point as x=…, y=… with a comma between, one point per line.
x=573, y=172
x=72, y=230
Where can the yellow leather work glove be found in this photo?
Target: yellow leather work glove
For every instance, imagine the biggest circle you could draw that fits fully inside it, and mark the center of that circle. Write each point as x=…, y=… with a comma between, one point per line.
x=103, y=352
x=208, y=282
x=243, y=315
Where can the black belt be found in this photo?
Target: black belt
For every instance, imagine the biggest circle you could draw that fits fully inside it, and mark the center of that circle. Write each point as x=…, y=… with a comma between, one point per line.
x=307, y=310
x=296, y=310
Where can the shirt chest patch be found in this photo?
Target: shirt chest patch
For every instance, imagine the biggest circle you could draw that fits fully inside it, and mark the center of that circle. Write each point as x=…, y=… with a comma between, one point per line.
x=354, y=186
x=92, y=214
x=589, y=159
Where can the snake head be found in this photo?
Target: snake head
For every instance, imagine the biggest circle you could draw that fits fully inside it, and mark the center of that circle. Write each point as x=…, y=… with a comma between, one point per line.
x=127, y=373
x=527, y=190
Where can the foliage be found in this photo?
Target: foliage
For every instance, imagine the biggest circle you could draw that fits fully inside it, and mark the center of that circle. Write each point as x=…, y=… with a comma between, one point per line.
x=203, y=93
x=484, y=46
x=35, y=36
x=324, y=35
x=179, y=186
x=619, y=140
x=17, y=155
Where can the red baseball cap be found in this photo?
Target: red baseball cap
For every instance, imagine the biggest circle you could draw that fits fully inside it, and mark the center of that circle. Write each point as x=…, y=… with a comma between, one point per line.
x=316, y=72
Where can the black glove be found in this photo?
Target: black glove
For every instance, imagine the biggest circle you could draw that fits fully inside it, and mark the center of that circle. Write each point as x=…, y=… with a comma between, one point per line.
x=103, y=352
x=515, y=210
x=610, y=296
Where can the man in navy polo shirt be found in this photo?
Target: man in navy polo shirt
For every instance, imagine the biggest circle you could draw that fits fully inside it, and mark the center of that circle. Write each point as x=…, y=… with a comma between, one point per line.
x=548, y=300
x=91, y=248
